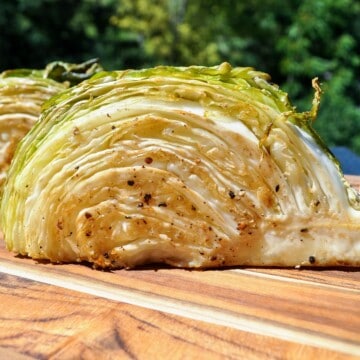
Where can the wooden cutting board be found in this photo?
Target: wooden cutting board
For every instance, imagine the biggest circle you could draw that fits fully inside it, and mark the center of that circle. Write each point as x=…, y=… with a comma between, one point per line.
x=75, y=312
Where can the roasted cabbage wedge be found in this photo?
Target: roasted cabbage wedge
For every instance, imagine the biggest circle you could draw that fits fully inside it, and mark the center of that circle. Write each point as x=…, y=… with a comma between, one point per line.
x=22, y=93
x=193, y=167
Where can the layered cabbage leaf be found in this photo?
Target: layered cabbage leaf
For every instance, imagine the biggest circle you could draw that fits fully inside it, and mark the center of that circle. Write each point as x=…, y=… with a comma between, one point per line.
x=187, y=166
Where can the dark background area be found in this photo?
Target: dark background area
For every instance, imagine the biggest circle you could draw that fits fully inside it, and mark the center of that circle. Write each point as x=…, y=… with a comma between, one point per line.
x=293, y=41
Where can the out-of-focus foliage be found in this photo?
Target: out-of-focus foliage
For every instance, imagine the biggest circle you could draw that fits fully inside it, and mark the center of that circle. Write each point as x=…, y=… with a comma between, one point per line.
x=293, y=41
x=323, y=39
x=177, y=32
x=34, y=33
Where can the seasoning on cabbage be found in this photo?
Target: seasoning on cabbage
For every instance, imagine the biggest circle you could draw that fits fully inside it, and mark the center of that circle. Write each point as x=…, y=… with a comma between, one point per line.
x=188, y=166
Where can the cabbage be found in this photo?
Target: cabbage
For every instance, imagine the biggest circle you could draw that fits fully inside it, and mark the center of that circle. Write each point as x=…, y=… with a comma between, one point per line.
x=72, y=73
x=22, y=93
x=186, y=166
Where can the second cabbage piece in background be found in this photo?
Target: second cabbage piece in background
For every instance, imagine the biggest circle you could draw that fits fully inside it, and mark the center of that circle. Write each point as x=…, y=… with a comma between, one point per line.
x=22, y=94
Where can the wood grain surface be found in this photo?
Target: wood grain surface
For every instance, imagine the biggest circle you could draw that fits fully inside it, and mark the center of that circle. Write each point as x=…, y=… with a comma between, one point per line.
x=74, y=312
x=44, y=321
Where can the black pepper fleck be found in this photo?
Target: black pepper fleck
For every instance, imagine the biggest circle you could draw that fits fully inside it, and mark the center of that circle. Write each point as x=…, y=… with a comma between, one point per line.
x=147, y=198
x=277, y=188
x=231, y=194
x=130, y=182
x=312, y=259
x=162, y=204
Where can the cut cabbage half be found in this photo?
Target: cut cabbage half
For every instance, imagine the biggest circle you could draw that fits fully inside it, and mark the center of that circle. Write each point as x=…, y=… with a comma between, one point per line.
x=192, y=167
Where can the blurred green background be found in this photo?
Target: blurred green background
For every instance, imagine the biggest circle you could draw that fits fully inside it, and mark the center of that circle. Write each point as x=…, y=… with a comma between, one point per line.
x=293, y=41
